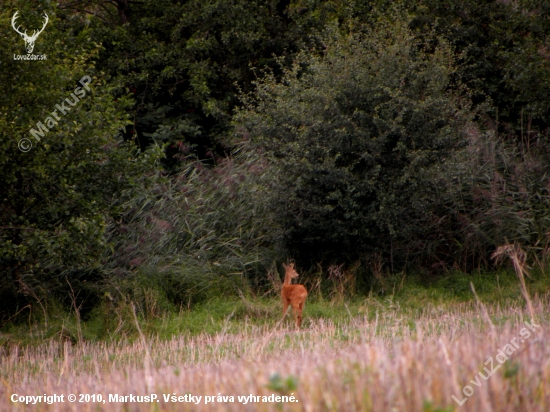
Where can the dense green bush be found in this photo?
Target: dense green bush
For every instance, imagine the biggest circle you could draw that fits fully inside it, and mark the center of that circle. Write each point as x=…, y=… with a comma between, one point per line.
x=364, y=150
x=502, y=55
x=56, y=198
x=353, y=132
x=183, y=61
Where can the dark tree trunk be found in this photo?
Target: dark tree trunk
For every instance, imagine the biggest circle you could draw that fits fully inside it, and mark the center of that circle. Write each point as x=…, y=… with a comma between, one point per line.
x=123, y=7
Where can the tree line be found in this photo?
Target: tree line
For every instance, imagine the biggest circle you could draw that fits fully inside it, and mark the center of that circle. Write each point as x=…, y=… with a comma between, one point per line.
x=219, y=137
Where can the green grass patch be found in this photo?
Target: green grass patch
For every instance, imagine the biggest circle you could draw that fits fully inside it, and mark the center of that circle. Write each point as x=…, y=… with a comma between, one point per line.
x=410, y=296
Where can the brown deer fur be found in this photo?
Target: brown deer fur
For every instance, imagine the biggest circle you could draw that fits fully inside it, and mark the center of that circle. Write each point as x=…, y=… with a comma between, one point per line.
x=294, y=295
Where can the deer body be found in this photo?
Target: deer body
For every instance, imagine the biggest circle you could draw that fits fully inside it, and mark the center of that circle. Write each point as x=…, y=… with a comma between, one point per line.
x=293, y=295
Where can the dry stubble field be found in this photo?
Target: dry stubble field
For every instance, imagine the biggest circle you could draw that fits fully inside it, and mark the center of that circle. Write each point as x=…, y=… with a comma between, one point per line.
x=398, y=361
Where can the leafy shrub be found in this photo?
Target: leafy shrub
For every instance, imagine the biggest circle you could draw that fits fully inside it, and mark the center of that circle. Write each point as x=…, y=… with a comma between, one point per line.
x=57, y=198
x=353, y=132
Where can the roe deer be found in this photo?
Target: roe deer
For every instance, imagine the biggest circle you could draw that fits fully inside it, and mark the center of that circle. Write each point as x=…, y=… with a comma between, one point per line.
x=294, y=295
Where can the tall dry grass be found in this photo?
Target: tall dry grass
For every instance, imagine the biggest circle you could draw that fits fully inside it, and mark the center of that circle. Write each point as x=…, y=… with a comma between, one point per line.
x=394, y=362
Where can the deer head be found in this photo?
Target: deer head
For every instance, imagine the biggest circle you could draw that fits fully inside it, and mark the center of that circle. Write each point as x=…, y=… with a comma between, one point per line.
x=290, y=272
x=29, y=40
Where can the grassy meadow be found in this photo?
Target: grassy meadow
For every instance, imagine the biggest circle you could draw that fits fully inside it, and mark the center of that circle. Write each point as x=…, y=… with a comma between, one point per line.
x=410, y=350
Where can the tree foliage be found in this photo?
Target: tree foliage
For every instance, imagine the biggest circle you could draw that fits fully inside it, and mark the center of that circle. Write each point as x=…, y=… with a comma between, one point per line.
x=353, y=133
x=415, y=132
x=183, y=61
x=58, y=197
x=503, y=56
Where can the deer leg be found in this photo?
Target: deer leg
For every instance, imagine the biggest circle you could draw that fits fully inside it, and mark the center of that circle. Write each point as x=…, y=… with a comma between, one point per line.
x=285, y=309
x=297, y=314
x=299, y=317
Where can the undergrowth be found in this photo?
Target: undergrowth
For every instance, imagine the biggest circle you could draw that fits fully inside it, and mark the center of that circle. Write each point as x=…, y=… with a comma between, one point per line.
x=157, y=316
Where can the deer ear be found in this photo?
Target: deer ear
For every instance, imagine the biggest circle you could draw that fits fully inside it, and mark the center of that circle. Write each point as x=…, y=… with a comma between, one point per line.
x=285, y=266
x=292, y=265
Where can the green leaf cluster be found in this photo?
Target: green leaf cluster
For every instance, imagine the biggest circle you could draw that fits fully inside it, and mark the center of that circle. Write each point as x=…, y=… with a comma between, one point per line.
x=57, y=198
x=353, y=132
